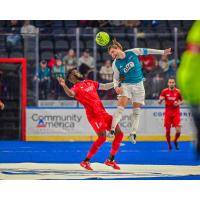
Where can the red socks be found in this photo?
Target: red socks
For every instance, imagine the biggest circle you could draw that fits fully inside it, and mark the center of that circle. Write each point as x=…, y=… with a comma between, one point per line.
x=168, y=138
x=177, y=136
x=116, y=143
x=101, y=139
x=95, y=146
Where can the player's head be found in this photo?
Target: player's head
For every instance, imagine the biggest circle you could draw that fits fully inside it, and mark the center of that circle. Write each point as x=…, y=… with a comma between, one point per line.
x=171, y=83
x=74, y=76
x=115, y=49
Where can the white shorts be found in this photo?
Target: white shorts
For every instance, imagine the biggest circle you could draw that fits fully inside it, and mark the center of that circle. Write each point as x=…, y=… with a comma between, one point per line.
x=135, y=92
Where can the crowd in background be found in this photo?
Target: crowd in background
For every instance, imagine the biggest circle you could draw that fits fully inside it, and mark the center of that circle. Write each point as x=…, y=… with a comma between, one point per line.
x=156, y=72
x=156, y=69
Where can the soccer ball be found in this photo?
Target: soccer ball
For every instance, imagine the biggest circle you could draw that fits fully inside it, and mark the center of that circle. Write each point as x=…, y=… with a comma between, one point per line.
x=102, y=38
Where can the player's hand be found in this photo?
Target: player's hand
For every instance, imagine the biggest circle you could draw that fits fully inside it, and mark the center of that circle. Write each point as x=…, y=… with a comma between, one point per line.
x=119, y=90
x=168, y=51
x=176, y=103
x=61, y=81
x=2, y=106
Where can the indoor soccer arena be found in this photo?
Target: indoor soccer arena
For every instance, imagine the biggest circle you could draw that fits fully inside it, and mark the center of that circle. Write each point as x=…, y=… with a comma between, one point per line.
x=56, y=78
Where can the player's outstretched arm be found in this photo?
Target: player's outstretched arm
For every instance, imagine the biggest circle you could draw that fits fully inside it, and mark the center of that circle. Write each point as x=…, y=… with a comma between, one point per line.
x=1, y=105
x=69, y=92
x=145, y=51
x=106, y=86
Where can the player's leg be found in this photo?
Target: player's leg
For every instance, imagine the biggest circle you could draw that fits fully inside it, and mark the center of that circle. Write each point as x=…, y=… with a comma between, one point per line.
x=97, y=123
x=167, y=124
x=177, y=135
x=138, y=97
x=168, y=137
x=135, y=121
x=177, y=125
x=115, y=147
x=122, y=103
x=93, y=149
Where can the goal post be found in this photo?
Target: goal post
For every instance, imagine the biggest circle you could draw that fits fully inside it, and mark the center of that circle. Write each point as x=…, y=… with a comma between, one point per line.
x=23, y=63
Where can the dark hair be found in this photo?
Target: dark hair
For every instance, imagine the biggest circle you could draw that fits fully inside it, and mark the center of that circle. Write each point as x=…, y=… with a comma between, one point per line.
x=70, y=71
x=172, y=78
x=43, y=62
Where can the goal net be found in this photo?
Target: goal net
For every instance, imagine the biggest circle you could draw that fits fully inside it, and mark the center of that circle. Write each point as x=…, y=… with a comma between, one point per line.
x=13, y=95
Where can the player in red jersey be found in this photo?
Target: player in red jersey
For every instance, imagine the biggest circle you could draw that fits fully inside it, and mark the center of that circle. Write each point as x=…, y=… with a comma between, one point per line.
x=85, y=92
x=173, y=100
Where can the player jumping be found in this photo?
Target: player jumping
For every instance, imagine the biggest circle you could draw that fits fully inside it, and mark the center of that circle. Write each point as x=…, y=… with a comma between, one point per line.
x=126, y=65
x=173, y=100
x=85, y=92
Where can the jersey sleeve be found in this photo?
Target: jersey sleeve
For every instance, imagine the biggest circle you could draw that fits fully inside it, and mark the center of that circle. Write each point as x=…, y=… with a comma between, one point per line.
x=96, y=84
x=162, y=94
x=145, y=51
x=140, y=51
x=74, y=89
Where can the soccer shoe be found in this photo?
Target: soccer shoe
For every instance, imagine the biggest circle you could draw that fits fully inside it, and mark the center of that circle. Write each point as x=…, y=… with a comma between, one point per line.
x=111, y=134
x=132, y=138
x=170, y=148
x=176, y=145
x=86, y=165
x=112, y=164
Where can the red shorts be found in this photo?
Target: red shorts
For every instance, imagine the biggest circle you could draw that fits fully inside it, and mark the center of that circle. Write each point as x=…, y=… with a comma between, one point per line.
x=100, y=122
x=172, y=120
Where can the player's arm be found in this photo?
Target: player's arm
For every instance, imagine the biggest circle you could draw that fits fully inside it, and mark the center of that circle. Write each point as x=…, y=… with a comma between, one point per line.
x=180, y=100
x=1, y=105
x=145, y=51
x=116, y=80
x=106, y=86
x=178, y=103
x=161, y=99
x=69, y=92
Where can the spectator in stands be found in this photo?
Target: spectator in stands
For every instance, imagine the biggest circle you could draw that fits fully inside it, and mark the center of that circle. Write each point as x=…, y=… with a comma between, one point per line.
x=103, y=23
x=86, y=64
x=149, y=65
x=168, y=67
x=28, y=32
x=84, y=23
x=70, y=60
x=132, y=23
x=28, y=29
x=58, y=70
x=106, y=72
x=52, y=61
x=86, y=59
x=14, y=34
x=163, y=63
x=173, y=65
x=43, y=77
x=148, y=62
x=116, y=23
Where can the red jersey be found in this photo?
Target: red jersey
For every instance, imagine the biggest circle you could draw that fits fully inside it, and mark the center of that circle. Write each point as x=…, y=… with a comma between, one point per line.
x=86, y=94
x=170, y=97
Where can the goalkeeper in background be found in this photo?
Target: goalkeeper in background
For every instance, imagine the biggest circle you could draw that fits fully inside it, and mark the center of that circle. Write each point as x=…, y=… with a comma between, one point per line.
x=189, y=73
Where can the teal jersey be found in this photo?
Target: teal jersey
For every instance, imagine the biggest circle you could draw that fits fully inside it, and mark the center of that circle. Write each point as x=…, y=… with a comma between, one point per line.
x=130, y=67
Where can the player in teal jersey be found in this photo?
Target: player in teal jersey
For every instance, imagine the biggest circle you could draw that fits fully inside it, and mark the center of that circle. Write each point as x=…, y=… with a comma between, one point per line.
x=127, y=70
